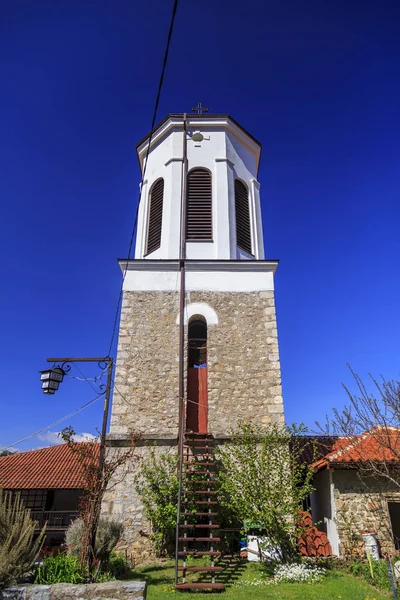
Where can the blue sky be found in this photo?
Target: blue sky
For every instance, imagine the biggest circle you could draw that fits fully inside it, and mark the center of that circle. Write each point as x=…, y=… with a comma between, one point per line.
x=316, y=82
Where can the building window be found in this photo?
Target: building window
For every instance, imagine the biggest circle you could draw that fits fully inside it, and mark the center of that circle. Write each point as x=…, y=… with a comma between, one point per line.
x=34, y=499
x=155, y=216
x=242, y=208
x=199, y=206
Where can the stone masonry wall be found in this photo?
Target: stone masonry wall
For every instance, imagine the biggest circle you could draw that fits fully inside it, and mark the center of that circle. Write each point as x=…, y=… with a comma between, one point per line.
x=244, y=380
x=146, y=381
x=362, y=505
x=123, y=504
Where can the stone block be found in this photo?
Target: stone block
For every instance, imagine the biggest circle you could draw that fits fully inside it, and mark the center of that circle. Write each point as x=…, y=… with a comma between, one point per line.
x=64, y=591
x=17, y=592
x=38, y=592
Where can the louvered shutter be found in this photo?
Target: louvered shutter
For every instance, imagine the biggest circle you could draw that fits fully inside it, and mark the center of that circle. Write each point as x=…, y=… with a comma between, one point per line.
x=199, y=205
x=155, y=216
x=243, y=231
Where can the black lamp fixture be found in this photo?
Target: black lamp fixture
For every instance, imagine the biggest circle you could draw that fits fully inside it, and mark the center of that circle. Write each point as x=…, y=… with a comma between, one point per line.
x=51, y=379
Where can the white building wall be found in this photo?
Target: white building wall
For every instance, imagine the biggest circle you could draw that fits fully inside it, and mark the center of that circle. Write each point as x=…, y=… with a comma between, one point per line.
x=227, y=157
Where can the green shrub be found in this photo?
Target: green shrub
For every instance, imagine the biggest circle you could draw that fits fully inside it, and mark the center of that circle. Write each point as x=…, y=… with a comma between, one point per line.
x=361, y=568
x=18, y=548
x=107, y=536
x=158, y=485
x=66, y=568
x=62, y=568
x=117, y=567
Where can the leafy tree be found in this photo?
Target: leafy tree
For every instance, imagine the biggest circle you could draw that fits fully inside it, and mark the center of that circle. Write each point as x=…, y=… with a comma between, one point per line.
x=96, y=482
x=6, y=452
x=158, y=485
x=263, y=481
x=18, y=546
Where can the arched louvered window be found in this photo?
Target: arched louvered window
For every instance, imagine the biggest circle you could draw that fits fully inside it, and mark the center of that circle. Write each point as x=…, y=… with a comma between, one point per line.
x=242, y=207
x=155, y=216
x=199, y=205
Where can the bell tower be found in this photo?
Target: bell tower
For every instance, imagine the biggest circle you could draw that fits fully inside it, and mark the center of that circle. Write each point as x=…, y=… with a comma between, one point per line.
x=232, y=371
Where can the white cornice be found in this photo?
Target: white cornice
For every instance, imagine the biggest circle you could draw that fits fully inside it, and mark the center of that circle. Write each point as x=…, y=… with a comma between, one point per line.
x=260, y=266
x=176, y=124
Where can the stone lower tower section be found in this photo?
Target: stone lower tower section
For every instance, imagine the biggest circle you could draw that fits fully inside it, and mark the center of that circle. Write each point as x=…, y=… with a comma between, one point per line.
x=232, y=370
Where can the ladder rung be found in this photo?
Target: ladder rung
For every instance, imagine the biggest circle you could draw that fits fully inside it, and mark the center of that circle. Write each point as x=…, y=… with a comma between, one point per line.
x=202, y=464
x=199, y=514
x=199, y=586
x=199, y=553
x=208, y=492
x=199, y=526
x=201, y=569
x=202, y=440
x=200, y=539
x=200, y=473
x=196, y=448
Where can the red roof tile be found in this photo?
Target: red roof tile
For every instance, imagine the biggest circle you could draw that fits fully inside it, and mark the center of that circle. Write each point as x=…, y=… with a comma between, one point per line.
x=51, y=468
x=378, y=444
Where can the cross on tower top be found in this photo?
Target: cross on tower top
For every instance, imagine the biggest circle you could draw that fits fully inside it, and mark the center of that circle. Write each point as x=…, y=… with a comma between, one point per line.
x=199, y=108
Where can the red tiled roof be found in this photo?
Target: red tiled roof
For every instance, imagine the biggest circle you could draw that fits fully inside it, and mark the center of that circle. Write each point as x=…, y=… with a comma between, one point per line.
x=378, y=444
x=51, y=468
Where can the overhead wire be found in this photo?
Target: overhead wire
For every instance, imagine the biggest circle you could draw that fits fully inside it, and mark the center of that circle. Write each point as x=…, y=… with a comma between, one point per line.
x=71, y=414
x=88, y=381
x=160, y=84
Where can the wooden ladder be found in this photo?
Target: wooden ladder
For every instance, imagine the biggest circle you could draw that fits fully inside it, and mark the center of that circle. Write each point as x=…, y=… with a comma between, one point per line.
x=198, y=510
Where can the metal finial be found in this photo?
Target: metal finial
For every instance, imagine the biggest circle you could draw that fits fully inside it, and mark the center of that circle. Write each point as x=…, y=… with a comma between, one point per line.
x=199, y=108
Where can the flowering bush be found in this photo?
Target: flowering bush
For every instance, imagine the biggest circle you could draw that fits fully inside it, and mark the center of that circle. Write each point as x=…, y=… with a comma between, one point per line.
x=298, y=573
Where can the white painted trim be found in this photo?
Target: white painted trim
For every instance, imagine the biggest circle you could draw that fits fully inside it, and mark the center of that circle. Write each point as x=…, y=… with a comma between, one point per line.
x=199, y=308
x=226, y=160
x=173, y=159
x=199, y=265
x=175, y=123
x=332, y=530
x=199, y=280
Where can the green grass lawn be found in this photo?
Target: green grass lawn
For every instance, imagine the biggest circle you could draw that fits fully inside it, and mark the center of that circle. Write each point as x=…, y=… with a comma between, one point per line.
x=337, y=585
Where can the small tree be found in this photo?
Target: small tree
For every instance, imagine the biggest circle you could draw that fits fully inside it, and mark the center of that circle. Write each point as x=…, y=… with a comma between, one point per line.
x=374, y=418
x=107, y=537
x=18, y=548
x=96, y=483
x=158, y=485
x=264, y=482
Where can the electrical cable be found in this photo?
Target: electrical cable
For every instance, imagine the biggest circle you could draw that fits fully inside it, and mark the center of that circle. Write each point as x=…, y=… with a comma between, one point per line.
x=88, y=381
x=160, y=84
x=71, y=414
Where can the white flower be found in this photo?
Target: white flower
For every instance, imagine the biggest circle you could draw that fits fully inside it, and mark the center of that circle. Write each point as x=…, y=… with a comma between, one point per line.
x=298, y=573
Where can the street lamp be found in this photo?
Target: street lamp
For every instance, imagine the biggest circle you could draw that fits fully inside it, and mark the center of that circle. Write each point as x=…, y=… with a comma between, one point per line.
x=51, y=379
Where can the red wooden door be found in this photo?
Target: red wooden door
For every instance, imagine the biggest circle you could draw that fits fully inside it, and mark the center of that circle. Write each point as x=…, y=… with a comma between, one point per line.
x=197, y=405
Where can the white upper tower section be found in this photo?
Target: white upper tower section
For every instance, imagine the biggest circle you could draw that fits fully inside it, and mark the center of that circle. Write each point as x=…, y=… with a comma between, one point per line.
x=223, y=200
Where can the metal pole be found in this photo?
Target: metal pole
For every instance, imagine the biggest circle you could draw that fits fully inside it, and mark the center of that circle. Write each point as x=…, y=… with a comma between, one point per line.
x=109, y=362
x=181, y=392
x=105, y=414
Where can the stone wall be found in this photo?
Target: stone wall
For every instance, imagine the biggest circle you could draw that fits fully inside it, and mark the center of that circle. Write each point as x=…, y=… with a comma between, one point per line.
x=244, y=380
x=146, y=380
x=112, y=590
x=122, y=503
x=361, y=504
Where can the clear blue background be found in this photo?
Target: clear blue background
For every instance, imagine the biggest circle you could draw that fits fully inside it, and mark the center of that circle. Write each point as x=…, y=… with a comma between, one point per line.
x=316, y=82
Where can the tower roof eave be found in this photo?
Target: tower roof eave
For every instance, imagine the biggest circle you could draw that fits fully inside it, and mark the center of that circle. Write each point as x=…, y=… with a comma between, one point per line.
x=173, y=121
